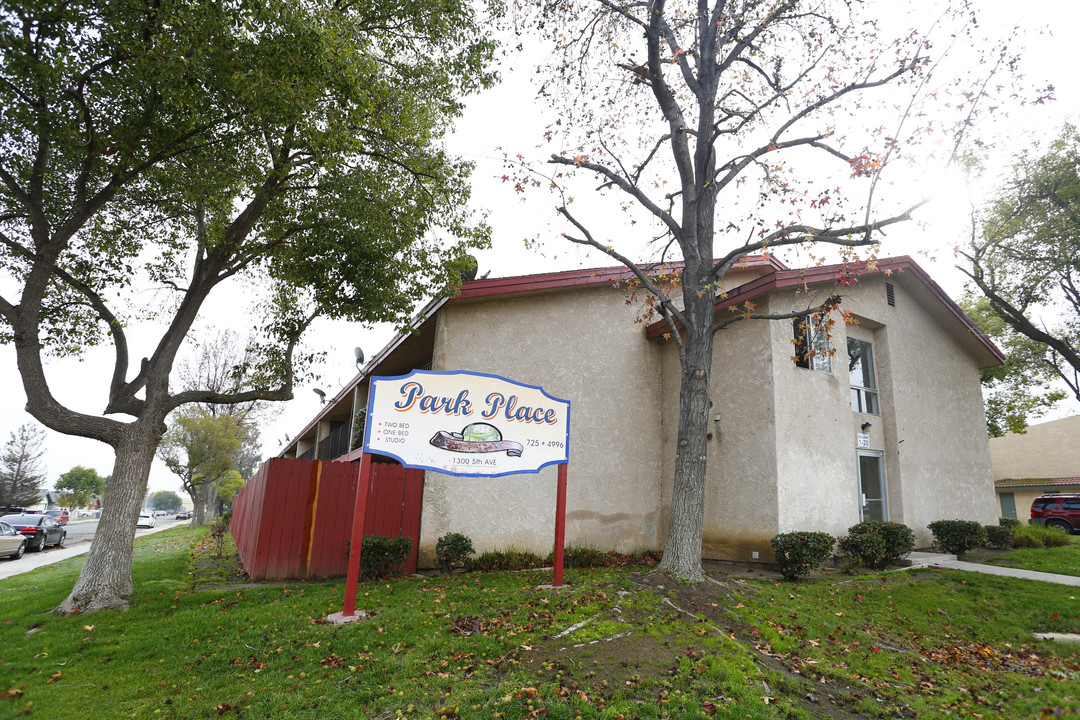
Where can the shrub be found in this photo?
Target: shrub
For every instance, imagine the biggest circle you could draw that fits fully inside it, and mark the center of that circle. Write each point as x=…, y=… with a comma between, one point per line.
x=957, y=536
x=1056, y=537
x=453, y=551
x=1009, y=522
x=218, y=528
x=999, y=537
x=587, y=557
x=877, y=543
x=381, y=556
x=1026, y=540
x=799, y=553
x=1037, y=536
x=494, y=561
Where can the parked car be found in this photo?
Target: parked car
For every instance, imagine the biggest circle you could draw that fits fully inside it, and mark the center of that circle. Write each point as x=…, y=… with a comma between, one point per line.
x=12, y=542
x=146, y=519
x=183, y=515
x=1060, y=510
x=61, y=516
x=39, y=530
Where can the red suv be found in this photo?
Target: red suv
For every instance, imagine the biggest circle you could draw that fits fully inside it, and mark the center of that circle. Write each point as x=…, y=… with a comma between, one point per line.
x=1057, y=510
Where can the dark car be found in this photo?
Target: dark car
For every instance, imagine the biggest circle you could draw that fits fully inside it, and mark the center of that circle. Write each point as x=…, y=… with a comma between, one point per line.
x=39, y=530
x=12, y=542
x=1060, y=510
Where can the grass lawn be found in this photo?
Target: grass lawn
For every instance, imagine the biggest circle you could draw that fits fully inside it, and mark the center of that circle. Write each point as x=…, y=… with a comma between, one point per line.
x=1061, y=560
x=616, y=643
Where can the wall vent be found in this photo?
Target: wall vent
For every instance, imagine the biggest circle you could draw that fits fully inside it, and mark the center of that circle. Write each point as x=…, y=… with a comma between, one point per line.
x=890, y=294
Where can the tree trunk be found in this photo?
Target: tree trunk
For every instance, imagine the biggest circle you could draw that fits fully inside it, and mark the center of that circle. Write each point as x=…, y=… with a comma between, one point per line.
x=105, y=580
x=682, y=553
x=203, y=503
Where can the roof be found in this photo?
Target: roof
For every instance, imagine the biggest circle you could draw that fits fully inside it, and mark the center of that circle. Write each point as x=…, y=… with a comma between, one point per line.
x=586, y=276
x=490, y=287
x=897, y=267
x=1037, y=482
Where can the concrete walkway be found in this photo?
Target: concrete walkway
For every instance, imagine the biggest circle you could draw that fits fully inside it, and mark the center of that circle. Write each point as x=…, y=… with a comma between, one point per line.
x=922, y=559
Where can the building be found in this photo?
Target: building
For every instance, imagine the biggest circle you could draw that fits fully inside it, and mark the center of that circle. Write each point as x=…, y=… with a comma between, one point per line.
x=885, y=421
x=1046, y=458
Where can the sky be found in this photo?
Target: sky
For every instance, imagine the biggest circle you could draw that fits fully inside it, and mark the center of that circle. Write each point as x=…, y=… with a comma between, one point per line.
x=508, y=119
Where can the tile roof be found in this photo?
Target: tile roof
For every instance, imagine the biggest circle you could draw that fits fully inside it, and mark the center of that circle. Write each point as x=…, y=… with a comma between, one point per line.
x=1037, y=482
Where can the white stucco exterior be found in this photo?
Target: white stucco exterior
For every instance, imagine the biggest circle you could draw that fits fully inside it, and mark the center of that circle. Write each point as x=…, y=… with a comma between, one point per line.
x=783, y=452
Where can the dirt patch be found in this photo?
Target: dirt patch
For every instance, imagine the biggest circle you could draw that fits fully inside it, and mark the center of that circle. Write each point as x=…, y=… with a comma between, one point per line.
x=638, y=658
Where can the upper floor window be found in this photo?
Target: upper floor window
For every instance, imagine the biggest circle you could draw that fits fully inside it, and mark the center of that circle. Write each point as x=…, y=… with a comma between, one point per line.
x=812, y=344
x=864, y=397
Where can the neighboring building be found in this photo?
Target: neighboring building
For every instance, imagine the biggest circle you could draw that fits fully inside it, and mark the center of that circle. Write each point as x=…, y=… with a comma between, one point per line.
x=890, y=425
x=1046, y=458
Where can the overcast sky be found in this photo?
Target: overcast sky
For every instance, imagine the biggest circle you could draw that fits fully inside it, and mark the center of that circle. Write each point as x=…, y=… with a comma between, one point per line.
x=506, y=119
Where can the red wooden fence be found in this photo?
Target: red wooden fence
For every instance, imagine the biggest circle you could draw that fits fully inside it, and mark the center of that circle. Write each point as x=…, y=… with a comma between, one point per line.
x=293, y=519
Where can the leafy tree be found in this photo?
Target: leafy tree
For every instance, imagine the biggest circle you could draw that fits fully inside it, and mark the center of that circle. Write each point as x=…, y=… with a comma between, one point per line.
x=177, y=144
x=166, y=500
x=1017, y=391
x=79, y=485
x=717, y=123
x=227, y=489
x=201, y=449
x=1023, y=257
x=21, y=472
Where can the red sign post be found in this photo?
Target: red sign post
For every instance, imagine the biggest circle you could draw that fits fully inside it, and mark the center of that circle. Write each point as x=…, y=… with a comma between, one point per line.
x=461, y=423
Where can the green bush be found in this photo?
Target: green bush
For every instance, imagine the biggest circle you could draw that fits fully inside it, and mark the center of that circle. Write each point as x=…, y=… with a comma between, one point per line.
x=877, y=543
x=587, y=557
x=1025, y=541
x=999, y=537
x=494, y=561
x=1056, y=537
x=957, y=536
x=799, y=553
x=1009, y=522
x=453, y=551
x=382, y=556
x=1037, y=536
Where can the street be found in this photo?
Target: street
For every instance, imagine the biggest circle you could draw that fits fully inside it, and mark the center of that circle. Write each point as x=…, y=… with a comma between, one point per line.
x=80, y=533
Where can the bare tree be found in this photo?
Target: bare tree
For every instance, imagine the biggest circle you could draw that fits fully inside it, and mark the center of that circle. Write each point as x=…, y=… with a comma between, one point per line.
x=714, y=123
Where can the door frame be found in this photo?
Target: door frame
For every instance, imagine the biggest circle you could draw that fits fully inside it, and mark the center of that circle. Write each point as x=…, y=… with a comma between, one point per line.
x=880, y=455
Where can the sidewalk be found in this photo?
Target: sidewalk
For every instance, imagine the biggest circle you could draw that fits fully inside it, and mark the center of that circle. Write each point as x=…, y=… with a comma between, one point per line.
x=49, y=556
x=923, y=559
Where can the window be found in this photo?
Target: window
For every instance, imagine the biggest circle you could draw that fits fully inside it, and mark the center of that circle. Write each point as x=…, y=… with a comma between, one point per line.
x=813, y=355
x=864, y=397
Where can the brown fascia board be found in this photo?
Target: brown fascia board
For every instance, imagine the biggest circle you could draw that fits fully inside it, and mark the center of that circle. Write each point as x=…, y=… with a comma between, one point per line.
x=897, y=267
x=490, y=287
x=577, y=278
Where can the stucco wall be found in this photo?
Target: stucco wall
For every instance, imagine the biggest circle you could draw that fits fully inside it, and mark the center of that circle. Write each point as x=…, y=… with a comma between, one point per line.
x=1048, y=449
x=940, y=453
x=815, y=431
x=584, y=346
x=783, y=452
x=930, y=429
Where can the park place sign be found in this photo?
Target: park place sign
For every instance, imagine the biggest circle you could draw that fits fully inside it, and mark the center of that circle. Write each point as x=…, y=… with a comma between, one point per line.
x=464, y=423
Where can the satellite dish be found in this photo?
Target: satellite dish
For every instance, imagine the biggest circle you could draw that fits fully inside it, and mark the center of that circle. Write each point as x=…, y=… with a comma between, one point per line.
x=321, y=394
x=359, y=357
x=287, y=438
x=468, y=270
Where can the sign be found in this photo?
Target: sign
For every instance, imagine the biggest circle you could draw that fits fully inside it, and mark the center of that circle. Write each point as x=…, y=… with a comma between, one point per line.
x=464, y=423
x=863, y=440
